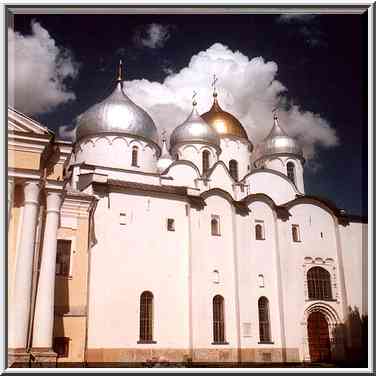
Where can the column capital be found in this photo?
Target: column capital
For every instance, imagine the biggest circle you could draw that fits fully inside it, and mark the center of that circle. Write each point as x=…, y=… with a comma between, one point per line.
x=53, y=201
x=31, y=191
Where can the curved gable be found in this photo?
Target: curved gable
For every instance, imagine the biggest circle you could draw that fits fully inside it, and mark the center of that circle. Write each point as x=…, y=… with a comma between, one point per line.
x=220, y=177
x=325, y=205
x=273, y=184
x=184, y=173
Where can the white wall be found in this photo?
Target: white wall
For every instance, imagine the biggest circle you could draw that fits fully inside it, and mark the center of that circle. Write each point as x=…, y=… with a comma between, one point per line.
x=298, y=258
x=258, y=257
x=355, y=261
x=129, y=259
x=211, y=253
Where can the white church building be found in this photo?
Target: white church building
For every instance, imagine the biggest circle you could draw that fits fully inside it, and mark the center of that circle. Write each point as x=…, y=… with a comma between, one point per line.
x=124, y=249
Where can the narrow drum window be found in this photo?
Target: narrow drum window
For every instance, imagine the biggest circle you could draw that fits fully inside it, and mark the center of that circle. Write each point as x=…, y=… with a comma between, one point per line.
x=233, y=167
x=205, y=162
x=291, y=171
x=135, y=156
x=215, y=226
x=146, y=317
x=264, y=322
x=218, y=319
x=259, y=232
x=319, y=286
x=63, y=256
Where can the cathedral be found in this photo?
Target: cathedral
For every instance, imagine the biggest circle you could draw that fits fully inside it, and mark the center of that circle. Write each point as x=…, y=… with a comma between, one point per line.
x=126, y=248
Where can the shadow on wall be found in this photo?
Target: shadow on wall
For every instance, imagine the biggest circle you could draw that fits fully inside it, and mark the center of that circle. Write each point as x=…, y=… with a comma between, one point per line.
x=353, y=334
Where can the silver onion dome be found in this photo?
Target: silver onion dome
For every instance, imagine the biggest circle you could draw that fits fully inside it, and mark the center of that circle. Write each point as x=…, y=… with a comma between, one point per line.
x=277, y=142
x=165, y=159
x=117, y=114
x=194, y=130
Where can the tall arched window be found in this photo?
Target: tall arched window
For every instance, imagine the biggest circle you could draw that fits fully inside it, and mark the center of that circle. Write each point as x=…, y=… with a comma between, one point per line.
x=291, y=171
x=205, y=161
x=135, y=156
x=233, y=167
x=218, y=319
x=295, y=233
x=319, y=286
x=146, y=317
x=264, y=321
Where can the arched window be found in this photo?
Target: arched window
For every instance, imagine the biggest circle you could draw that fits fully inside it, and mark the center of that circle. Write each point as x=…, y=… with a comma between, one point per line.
x=215, y=225
x=319, y=286
x=264, y=322
x=146, y=317
x=135, y=156
x=205, y=161
x=259, y=232
x=291, y=171
x=233, y=167
x=218, y=319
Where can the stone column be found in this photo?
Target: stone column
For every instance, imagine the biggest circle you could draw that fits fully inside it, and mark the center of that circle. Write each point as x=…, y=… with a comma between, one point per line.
x=19, y=307
x=44, y=306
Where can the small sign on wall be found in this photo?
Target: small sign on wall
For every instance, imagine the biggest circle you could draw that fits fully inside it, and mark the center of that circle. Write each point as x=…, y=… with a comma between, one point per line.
x=123, y=218
x=246, y=329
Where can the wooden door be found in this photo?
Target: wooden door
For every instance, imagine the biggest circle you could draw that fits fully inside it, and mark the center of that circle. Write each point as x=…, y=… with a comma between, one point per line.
x=318, y=338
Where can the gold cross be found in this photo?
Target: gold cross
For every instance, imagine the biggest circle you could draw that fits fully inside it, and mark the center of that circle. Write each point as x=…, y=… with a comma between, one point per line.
x=120, y=71
x=215, y=79
x=163, y=134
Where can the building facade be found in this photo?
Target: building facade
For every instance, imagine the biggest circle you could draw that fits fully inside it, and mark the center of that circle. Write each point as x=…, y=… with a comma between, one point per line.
x=124, y=250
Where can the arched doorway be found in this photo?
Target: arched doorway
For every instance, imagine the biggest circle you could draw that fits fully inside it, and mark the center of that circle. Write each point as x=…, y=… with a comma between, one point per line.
x=318, y=338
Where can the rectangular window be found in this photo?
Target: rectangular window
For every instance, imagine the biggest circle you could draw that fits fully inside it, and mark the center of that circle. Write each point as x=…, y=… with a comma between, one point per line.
x=61, y=346
x=295, y=233
x=170, y=224
x=215, y=226
x=63, y=257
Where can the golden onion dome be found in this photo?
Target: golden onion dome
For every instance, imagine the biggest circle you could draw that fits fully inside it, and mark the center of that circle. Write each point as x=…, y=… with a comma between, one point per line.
x=224, y=122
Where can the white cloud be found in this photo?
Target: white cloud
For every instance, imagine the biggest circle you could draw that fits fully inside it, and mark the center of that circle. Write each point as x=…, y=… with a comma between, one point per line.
x=296, y=18
x=247, y=88
x=152, y=36
x=37, y=71
x=66, y=132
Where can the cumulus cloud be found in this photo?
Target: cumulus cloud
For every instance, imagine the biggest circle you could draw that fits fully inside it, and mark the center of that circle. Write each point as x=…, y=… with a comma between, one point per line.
x=296, y=18
x=38, y=70
x=247, y=88
x=67, y=132
x=152, y=36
